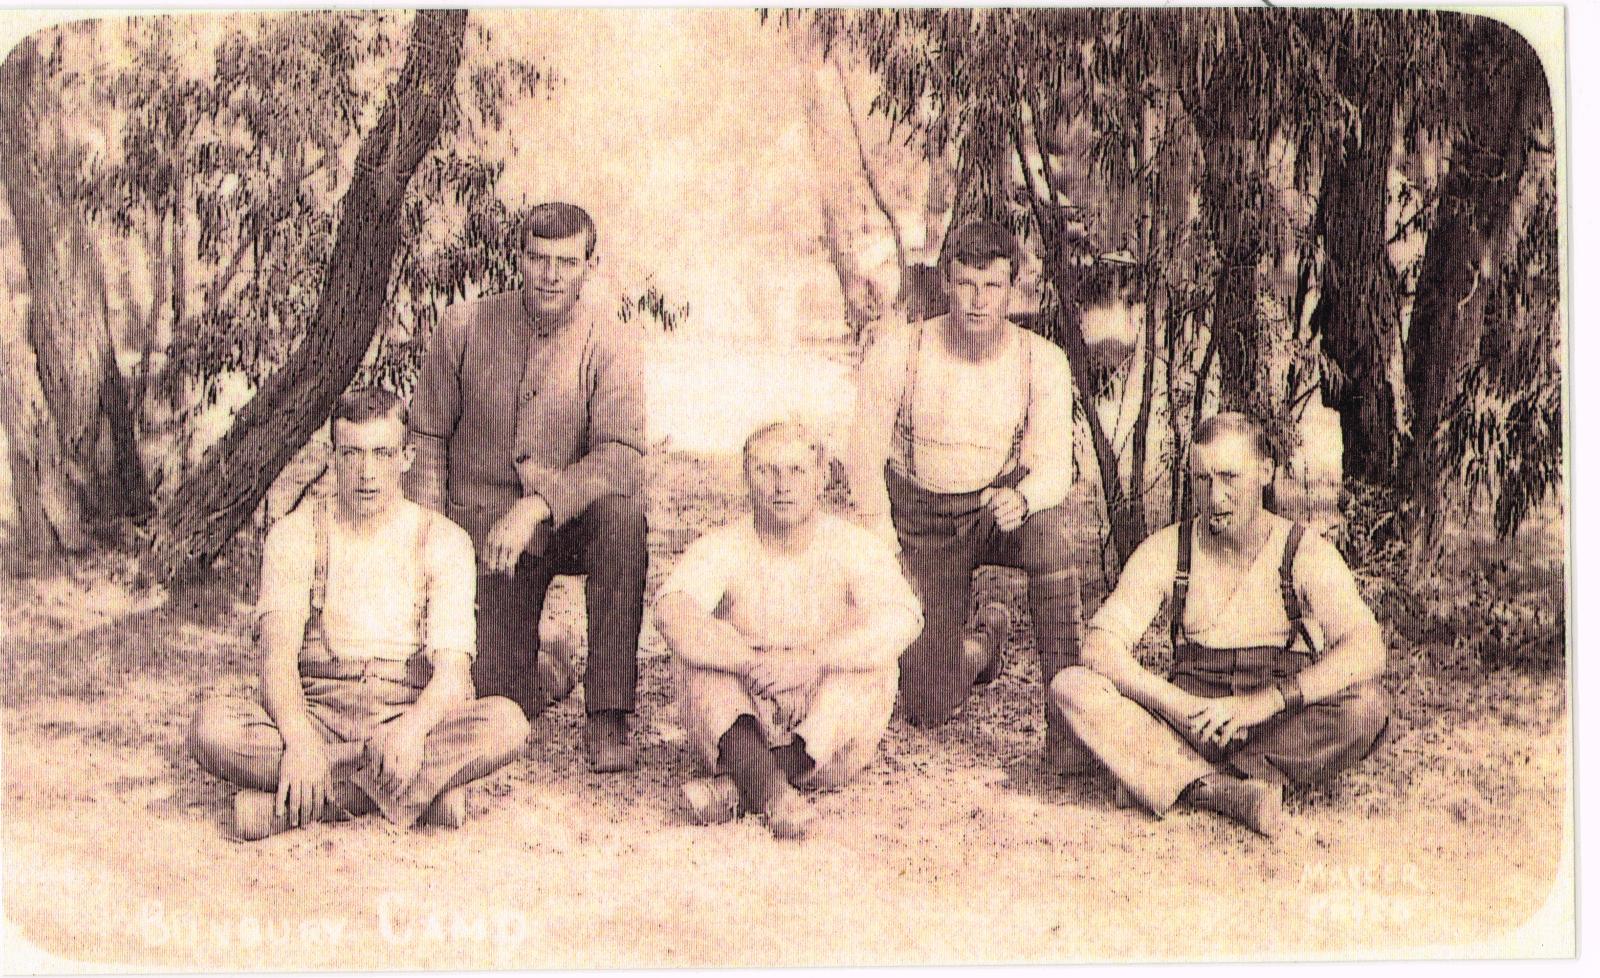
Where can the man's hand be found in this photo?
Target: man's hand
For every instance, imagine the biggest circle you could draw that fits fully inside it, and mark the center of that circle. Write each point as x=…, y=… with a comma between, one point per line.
x=1008, y=506
x=781, y=671
x=1228, y=718
x=395, y=754
x=305, y=782
x=510, y=535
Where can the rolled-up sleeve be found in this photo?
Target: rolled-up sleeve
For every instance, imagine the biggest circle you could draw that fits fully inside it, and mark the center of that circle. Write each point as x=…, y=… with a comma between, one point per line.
x=435, y=410
x=1047, y=444
x=452, y=581
x=614, y=460
x=879, y=387
x=1145, y=582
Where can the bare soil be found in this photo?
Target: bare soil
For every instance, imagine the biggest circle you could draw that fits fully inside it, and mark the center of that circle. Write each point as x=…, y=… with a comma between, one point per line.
x=955, y=847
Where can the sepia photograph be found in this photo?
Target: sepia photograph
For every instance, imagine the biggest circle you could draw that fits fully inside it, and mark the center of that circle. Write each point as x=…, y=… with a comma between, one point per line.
x=701, y=488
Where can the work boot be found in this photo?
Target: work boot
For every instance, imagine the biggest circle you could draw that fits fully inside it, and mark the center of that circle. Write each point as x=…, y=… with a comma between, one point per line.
x=788, y=814
x=557, y=674
x=605, y=741
x=988, y=645
x=711, y=801
x=449, y=810
x=1252, y=802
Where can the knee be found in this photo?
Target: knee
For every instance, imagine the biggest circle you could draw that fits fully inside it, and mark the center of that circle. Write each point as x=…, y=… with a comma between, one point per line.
x=1077, y=688
x=1364, y=710
x=618, y=518
x=210, y=732
x=505, y=728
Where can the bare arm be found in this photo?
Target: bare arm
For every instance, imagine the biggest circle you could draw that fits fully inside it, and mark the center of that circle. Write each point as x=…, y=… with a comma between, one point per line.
x=878, y=394
x=280, y=638
x=875, y=641
x=1355, y=651
x=700, y=639
x=1114, y=660
x=305, y=773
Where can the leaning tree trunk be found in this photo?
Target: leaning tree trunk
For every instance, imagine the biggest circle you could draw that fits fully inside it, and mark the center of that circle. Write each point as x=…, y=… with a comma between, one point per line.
x=1358, y=312
x=68, y=338
x=235, y=474
x=1504, y=104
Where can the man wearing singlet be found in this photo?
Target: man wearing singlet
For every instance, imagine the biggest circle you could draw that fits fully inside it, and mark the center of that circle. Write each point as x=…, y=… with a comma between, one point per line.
x=961, y=455
x=365, y=624
x=1276, y=655
x=786, y=626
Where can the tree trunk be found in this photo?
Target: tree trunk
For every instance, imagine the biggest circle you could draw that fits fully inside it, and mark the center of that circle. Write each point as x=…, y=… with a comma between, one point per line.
x=862, y=304
x=1505, y=100
x=48, y=513
x=235, y=474
x=1233, y=198
x=68, y=327
x=1358, y=312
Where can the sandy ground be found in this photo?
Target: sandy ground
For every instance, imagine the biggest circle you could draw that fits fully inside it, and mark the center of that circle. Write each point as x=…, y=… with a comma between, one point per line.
x=955, y=847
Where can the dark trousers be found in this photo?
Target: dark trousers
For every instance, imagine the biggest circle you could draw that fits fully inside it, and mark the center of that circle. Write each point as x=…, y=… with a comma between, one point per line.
x=1155, y=760
x=944, y=537
x=607, y=544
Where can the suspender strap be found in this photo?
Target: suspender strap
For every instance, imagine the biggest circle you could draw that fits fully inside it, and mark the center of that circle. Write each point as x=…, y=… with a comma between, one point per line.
x=1180, y=581
x=419, y=585
x=319, y=567
x=1291, y=598
x=908, y=398
x=1027, y=398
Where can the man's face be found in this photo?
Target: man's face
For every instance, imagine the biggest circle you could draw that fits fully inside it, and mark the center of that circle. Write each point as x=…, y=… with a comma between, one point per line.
x=980, y=297
x=785, y=481
x=368, y=459
x=553, y=272
x=1228, y=476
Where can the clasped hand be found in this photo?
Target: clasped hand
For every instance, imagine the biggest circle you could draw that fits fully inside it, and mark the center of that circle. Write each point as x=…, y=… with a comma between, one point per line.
x=1223, y=720
x=778, y=671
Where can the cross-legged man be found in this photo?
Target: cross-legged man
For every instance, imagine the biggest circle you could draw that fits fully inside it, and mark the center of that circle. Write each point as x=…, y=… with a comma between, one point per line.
x=1277, y=657
x=365, y=627
x=961, y=455
x=787, y=626
x=528, y=418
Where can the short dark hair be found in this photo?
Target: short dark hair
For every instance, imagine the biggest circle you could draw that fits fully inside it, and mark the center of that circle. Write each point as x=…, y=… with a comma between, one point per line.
x=365, y=404
x=980, y=242
x=559, y=220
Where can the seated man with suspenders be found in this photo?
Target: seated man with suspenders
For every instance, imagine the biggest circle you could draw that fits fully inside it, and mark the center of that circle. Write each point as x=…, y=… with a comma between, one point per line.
x=1254, y=702
x=365, y=623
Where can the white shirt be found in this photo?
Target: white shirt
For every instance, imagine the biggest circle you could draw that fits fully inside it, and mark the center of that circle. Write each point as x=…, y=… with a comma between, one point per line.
x=964, y=416
x=369, y=608
x=778, y=599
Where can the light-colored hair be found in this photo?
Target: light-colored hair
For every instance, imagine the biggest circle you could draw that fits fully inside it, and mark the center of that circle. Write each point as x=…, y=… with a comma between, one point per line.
x=1235, y=423
x=785, y=431
x=1239, y=423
